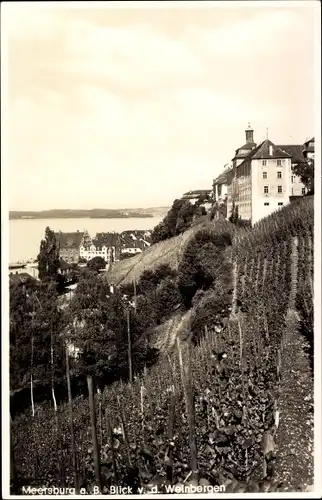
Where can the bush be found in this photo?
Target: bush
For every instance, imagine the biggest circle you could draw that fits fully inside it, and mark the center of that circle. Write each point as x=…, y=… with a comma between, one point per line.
x=178, y=219
x=96, y=263
x=149, y=279
x=213, y=309
x=203, y=262
x=168, y=298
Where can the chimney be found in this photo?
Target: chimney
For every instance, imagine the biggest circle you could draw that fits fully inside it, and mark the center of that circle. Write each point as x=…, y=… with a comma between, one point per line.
x=270, y=150
x=249, y=134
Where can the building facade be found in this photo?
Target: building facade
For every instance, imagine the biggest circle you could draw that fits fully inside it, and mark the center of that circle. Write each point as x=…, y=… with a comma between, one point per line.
x=133, y=242
x=309, y=149
x=198, y=194
x=69, y=245
x=262, y=177
x=298, y=158
x=105, y=245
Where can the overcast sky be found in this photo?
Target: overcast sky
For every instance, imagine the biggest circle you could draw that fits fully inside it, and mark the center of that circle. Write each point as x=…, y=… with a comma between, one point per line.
x=133, y=107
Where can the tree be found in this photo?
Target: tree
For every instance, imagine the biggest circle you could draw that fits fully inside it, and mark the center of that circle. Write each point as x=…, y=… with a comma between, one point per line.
x=202, y=263
x=234, y=217
x=305, y=171
x=96, y=325
x=48, y=257
x=149, y=279
x=177, y=220
x=185, y=217
x=168, y=297
x=96, y=263
x=35, y=320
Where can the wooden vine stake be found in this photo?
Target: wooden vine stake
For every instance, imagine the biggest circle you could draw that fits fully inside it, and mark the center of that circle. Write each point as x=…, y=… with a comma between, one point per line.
x=31, y=377
x=96, y=451
x=142, y=412
x=72, y=436
x=169, y=461
x=13, y=477
x=124, y=429
x=111, y=439
x=129, y=340
x=187, y=385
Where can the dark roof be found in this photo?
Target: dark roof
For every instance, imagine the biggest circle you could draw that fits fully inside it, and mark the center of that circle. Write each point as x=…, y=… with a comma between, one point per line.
x=64, y=265
x=262, y=152
x=106, y=239
x=129, y=237
x=21, y=278
x=222, y=178
x=137, y=233
x=69, y=240
x=197, y=192
x=308, y=142
x=133, y=244
x=295, y=150
x=248, y=147
x=307, y=147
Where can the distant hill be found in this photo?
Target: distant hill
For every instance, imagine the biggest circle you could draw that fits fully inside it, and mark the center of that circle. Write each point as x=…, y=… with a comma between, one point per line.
x=96, y=213
x=154, y=211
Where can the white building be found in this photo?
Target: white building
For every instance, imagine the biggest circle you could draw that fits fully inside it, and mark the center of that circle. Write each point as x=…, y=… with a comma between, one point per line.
x=262, y=179
x=105, y=245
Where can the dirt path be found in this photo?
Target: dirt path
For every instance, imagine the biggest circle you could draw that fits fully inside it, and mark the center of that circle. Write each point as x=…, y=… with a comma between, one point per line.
x=295, y=439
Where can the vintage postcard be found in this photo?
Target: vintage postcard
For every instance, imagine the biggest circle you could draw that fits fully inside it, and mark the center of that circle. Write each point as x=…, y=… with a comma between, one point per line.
x=161, y=249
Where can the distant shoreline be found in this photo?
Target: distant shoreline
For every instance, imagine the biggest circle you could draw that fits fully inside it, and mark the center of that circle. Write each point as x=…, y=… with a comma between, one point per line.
x=98, y=213
x=43, y=217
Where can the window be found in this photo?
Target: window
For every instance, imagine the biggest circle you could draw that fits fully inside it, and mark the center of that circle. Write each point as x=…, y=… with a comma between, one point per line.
x=292, y=179
x=264, y=175
x=279, y=163
x=265, y=189
x=279, y=174
x=279, y=189
x=292, y=191
x=280, y=203
x=264, y=163
x=266, y=204
x=303, y=191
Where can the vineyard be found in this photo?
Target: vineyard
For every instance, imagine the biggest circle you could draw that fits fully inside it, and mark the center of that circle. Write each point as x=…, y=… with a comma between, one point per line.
x=209, y=412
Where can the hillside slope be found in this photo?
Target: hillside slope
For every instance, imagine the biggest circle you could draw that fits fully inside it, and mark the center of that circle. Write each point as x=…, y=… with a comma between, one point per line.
x=166, y=252
x=249, y=374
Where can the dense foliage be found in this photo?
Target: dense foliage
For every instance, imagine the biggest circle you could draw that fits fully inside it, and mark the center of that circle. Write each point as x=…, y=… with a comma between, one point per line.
x=305, y=171
x=203, y=262
x=36, y=347
x=96, y=263
x=244, y=284
x=178, y=219
x=48, y=257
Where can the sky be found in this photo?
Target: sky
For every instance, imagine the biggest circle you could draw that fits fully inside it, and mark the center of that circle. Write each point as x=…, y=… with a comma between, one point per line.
x=132, y=107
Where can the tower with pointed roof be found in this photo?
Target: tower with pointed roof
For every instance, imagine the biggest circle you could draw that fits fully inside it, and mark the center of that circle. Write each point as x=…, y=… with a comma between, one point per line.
x=249, y=134
x=243, y=151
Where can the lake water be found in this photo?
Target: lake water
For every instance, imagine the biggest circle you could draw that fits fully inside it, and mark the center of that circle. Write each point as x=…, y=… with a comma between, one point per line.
x=25, y=235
